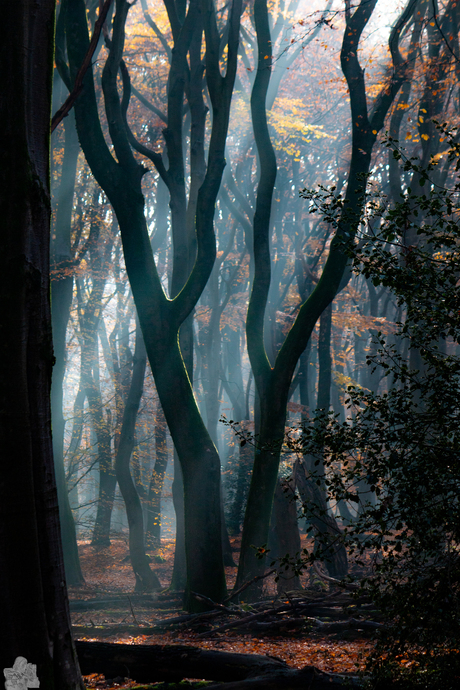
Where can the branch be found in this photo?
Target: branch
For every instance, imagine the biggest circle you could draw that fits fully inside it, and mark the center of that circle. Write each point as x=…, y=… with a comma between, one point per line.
x=155, y=157
x=221, y=95
x=351, y=68
x=113, y=107
x=387, y=95
x=267, y=171
x=156, y=29
x=73, y=95
x=149, y=105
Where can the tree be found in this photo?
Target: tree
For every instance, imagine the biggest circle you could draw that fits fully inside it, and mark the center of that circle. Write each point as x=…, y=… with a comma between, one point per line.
x=161, y=318
x=404, y=442
x=36, y=622
x=273, y=379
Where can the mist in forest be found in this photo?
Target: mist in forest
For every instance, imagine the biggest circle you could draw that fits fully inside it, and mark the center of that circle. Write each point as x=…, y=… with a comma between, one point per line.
x=205, y=184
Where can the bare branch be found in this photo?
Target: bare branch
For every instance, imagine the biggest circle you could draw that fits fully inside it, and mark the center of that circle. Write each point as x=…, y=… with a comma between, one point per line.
x=73, y=95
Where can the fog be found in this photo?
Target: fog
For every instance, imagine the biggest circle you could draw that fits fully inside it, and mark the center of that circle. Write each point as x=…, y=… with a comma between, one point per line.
x=201, y=308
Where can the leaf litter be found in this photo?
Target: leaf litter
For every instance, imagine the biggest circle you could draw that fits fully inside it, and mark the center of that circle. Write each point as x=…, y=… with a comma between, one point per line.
x=108, y=573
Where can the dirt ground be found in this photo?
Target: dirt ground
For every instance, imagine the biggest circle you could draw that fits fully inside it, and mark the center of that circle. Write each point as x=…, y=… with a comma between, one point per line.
x=108, y=571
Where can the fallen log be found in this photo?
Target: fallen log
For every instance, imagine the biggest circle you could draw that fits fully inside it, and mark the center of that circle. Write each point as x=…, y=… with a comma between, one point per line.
x=117, y=603
x=107, y=630
x=151, y=663
x=307, y=678
x=350, y=624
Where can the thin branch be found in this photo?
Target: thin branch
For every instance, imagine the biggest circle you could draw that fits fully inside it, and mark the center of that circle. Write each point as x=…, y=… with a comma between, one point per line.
x=73, y=95
x=149, y=105
x=156, y=29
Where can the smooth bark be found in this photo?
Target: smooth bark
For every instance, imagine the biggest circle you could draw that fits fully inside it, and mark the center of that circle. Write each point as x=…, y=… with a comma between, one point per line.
x=146, y=579
x=159, y=317
x=273, y=382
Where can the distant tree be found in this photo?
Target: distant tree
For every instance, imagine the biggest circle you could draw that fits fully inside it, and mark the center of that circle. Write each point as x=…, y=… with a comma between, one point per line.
x=33, y=597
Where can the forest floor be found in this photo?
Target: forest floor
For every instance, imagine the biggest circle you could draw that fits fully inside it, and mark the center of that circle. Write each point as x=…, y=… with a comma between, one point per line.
x=109, y=580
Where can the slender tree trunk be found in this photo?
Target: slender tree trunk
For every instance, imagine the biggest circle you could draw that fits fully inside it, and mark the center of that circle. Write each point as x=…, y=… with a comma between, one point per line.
x=273, y=383
x=153, y=523
x=61, y=301
x=146, y=579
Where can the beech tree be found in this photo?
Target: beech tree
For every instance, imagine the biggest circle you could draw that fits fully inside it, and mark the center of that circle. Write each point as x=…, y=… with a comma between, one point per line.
x=33, y=597
x=161, y=317
x=273, y=378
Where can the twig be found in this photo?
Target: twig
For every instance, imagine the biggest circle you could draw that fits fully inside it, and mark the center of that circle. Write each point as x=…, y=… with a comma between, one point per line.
x=339, y=583
x=132, y=611
x=212, y=603
x=66, y=107
x=248, y=619
x=248, y=584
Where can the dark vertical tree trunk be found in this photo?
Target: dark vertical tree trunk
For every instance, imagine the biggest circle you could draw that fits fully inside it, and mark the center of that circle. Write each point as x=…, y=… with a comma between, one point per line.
x=153, y=522
x=273, y=383
x=61, y=300
x=179, y=575
x=33, y=597
x=160, y=318
x=286, y=532
x=146, y=579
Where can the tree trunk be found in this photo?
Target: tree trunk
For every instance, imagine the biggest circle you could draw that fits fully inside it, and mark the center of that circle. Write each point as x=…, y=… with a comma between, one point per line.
x=172, y=663
x=61, y=300
x=179, y=574
x=153, y=526
x=273, y=382
x=160, y=318
x=328, y=543
x=146, y=579
x=33, y=596
x=286, y=532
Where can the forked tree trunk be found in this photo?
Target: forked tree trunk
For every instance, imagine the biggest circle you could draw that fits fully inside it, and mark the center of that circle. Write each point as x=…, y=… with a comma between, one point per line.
x=273, y=383
x=160, y=318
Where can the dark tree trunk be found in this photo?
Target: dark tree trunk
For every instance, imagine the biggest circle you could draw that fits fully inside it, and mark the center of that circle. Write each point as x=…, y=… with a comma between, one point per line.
x=146, y=579
x=245, y=462
x=286, y=532
x=273, y=383
x=61, y=300
x=148, y=663
x=159, y=317
x=328, y=542
x=315, y=498
x=153, y=522
x=179, y=575
x=33, y=596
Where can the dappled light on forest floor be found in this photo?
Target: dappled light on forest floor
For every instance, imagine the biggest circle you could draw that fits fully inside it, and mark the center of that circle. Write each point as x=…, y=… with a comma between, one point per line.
x=109, y=578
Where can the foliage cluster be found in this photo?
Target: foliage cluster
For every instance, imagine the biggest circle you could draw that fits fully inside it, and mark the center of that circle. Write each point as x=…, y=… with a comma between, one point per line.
x=396, y=457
